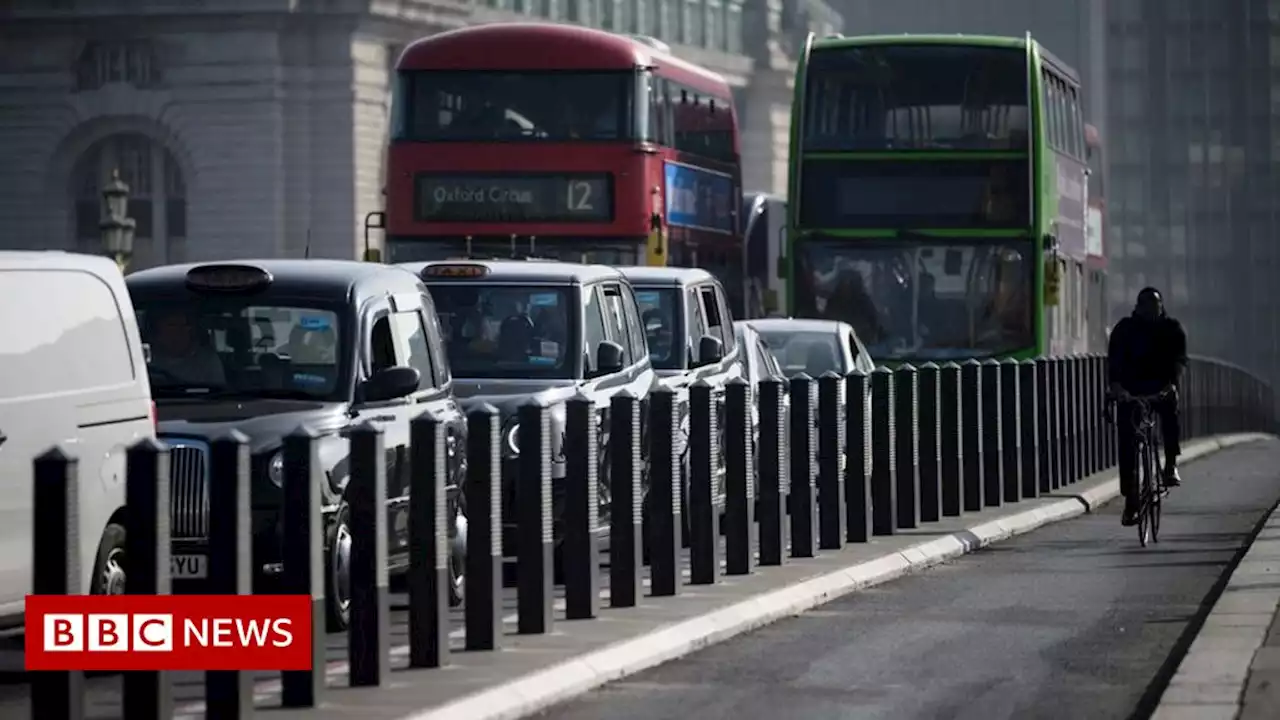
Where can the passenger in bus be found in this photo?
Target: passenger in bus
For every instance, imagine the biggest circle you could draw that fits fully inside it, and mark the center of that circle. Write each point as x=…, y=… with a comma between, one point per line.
x=998, y=203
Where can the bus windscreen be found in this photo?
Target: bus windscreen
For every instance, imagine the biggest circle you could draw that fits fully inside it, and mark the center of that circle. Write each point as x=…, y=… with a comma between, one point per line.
x=510, y=105
x=920, y=97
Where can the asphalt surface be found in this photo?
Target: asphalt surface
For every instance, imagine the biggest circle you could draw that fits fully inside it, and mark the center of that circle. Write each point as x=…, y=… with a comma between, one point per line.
x=1075, y=620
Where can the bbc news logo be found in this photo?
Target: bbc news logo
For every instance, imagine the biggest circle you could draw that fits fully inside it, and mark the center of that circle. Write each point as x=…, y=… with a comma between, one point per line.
x=168, y=632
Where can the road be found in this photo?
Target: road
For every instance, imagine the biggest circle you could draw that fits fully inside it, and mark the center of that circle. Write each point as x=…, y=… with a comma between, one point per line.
x=1072, y=621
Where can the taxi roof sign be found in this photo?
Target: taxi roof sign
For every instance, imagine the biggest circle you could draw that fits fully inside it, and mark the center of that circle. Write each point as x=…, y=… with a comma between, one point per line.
x=468, y=270
x=228, y=278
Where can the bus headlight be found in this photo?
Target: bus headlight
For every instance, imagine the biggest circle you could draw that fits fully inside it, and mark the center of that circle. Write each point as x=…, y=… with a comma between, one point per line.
x=275, y=468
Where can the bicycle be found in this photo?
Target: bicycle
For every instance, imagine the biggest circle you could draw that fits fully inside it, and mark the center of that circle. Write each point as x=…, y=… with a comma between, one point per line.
x=1151, y=488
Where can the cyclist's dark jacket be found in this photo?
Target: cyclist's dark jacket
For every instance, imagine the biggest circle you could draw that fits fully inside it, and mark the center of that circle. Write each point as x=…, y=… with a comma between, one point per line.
x=1144, y=355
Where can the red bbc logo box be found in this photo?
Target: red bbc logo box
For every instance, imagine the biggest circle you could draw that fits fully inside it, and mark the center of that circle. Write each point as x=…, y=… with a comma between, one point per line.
x=168, y=632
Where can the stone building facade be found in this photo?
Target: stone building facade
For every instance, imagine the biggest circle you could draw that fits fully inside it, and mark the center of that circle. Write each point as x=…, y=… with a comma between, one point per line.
x=258, y=127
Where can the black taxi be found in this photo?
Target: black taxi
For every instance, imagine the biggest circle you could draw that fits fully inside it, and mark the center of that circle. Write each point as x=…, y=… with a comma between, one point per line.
x=516, y=329
x=689, y=329
x=266, y=346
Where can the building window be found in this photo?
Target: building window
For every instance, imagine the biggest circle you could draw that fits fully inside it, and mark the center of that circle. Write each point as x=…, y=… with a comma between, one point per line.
x=643, y=18
x=733, y=28
x=692, y=30
x=131, y=62
x=157, y=195
x=667, y=20
x=715, y=25
x=551, y=9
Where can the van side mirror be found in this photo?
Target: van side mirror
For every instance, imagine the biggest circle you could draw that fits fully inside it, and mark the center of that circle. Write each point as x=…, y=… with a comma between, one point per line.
x=391, y=383
x=710, y=350
x=608, y=358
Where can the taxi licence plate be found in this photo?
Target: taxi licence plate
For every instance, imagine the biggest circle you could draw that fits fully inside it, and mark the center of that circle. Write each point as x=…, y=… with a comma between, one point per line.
x=189, y=567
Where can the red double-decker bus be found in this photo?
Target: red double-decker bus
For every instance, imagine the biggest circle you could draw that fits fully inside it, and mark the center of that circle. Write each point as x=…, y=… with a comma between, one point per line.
x=520, y=139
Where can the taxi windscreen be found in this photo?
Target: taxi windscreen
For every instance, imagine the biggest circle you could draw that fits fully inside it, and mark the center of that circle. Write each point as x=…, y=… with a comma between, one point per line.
x=242, y=347
x=508, y=331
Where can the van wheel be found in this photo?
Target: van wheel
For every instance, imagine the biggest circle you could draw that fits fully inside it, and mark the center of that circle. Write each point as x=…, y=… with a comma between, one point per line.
x=108, y=567
x=337, y=597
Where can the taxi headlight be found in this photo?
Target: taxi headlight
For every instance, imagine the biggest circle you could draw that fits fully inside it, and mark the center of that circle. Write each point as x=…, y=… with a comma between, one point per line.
x=275, y=469
x=511, y=437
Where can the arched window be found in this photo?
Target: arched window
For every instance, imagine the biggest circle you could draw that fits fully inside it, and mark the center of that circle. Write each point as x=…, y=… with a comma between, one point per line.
x=157, y=196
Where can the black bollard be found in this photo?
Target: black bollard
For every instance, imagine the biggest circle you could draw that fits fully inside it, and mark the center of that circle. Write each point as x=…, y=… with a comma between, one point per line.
x=992, y=433
x=229, y=693
x=148, y=695
x=483, y=609
x=1071, y=391
x=928, y=442
x=55, y=566
x=302, y=560
x=1060, y=422
x=580, y=549
x=857, y=478
x=884, y=489
x=429, y=551
x=1028, y=428
x=972, y=423
x=801, y=448
x=704, y=511
x=666, y=488
x=739, y=446
x=1010, y=431
x=831, y=406
x=369, y=631
x=1099, y=402
x=906, y=437
x=534, y=580
x=1044, y=423
x=772, y=464
x=951, y=465
x=1089, y=414
x=626, y=539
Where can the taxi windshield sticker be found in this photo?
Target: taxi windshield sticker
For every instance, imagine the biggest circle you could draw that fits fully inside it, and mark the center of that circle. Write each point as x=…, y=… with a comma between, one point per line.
x=313, y=322
x=550, y=349
x=544, y=299
x=648, y=297
x=308, y=379
x=539, y=360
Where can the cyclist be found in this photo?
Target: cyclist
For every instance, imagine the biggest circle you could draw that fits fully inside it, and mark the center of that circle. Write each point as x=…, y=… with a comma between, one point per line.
x=1146, y=355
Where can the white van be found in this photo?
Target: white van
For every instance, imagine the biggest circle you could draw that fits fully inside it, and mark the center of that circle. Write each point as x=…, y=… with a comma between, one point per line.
x=72, y=374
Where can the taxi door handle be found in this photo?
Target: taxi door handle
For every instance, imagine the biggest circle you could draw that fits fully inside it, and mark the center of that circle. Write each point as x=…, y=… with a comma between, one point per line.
x=3, y=437
x=383, y=418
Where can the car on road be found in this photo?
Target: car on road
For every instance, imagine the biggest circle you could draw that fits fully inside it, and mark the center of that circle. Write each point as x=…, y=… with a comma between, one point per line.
x=267, y=346
x=516, y=330
x=71, y=377
x=813, y=347
x=689, y=329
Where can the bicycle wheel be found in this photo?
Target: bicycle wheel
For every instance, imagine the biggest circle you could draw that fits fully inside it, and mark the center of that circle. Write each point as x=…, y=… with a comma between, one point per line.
x=1157, y=489
x=1142, y=467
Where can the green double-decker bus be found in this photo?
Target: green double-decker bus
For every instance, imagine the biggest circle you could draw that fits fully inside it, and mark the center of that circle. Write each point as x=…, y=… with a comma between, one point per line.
x=939, y=189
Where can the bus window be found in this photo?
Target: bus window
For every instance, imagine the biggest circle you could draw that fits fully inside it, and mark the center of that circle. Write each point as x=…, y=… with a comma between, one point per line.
x=916, y=96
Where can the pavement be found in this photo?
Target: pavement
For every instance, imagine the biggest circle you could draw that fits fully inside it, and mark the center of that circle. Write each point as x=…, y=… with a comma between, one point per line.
x=533, y=672
x=1232, y=670
x=1076, y=620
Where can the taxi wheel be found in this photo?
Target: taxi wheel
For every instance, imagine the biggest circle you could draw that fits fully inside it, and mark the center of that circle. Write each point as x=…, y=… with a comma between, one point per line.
x=458, y=564
x=108, y=568
x=337, y=600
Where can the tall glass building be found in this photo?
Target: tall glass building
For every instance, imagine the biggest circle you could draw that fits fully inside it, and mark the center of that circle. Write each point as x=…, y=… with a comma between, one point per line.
x=1183, y=93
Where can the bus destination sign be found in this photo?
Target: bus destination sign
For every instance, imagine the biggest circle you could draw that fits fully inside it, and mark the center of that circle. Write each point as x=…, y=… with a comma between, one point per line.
x=501, y=198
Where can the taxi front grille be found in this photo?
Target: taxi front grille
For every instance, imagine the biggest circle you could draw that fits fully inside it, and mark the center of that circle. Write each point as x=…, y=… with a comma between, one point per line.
x=188, y=490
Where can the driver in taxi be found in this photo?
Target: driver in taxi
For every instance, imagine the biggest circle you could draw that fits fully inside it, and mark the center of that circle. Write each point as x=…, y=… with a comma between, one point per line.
x=178, y=355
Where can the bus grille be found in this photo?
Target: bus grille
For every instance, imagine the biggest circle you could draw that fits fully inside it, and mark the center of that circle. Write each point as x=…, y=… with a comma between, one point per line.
x=188, y=490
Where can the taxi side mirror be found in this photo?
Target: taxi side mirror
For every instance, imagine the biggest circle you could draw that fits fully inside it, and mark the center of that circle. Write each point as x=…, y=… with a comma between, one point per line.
x=608, y=358
x=710, y=350
x=392, y=383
